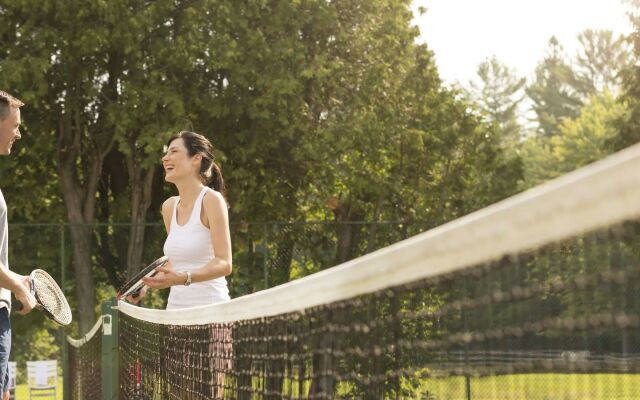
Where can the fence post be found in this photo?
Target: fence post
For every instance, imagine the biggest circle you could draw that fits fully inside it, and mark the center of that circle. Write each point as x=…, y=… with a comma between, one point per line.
x=265, y=256
x=63, y=274
x=66, y=384
x=109, y=350
x=467, y=379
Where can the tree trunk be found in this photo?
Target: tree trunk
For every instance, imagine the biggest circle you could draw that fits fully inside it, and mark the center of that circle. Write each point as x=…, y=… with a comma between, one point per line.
x=79, y=168
x=348, y=234
x=81, y=236
x=141, y=190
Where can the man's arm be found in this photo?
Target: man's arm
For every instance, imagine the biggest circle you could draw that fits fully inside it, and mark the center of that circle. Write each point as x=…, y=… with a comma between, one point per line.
x=19, y=285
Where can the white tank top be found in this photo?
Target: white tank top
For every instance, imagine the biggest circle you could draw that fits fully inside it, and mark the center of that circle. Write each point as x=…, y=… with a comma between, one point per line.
x=189, y=247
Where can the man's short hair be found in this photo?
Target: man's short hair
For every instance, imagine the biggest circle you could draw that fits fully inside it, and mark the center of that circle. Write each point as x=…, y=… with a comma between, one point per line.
x=6, y=102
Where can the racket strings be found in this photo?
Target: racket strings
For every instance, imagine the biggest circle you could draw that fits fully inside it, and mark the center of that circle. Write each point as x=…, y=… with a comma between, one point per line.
x=51, y=297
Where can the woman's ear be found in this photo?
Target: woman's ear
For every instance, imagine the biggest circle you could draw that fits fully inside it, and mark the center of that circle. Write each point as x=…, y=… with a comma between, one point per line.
x=197, y=158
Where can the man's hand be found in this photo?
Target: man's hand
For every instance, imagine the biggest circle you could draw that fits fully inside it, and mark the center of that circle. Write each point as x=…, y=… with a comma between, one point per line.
x=24, y=296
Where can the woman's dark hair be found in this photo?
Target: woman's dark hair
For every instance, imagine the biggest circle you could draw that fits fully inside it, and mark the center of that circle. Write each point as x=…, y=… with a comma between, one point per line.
x=210, y=173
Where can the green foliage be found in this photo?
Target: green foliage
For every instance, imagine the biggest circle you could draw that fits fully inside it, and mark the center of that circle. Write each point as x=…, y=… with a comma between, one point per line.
x=499, y=94
x=34, y=338
x=552, y=92
x=318, y=110
x=579, y=141
x=601, y=62
x=578, y=114
x=630, y=125
x=564, y=85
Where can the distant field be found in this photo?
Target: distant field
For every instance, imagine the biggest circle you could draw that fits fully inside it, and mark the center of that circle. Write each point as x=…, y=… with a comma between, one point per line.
x=537, y=387
x=512, y=387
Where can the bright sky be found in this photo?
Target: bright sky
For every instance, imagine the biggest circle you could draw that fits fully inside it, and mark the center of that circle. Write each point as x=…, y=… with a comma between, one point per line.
x=462, y=33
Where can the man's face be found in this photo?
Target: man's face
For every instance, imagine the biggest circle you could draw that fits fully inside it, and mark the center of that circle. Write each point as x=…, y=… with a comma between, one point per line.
x=9, y=130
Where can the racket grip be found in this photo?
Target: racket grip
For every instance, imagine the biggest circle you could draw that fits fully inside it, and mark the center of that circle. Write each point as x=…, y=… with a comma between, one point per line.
x=136, y=293
x=16, y=305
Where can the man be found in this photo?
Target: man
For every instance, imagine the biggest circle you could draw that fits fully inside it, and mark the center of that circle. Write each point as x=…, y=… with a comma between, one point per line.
x=9, y=281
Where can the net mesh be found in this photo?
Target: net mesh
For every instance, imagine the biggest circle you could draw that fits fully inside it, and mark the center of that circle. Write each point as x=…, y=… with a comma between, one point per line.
x=565, y=311
x=85, y=365
x=188, y=362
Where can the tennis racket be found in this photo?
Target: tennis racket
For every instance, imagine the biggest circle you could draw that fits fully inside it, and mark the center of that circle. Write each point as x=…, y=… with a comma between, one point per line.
x=133, y=286
x=49, y=297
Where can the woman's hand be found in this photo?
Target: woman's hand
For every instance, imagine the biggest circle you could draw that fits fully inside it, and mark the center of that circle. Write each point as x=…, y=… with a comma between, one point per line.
x=166, y=277
x=143, y=292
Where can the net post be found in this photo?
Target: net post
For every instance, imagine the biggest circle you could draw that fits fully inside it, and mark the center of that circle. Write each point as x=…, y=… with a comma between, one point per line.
x=109, y=350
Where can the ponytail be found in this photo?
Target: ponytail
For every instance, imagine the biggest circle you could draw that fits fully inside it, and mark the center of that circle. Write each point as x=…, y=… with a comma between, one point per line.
x=213, y=178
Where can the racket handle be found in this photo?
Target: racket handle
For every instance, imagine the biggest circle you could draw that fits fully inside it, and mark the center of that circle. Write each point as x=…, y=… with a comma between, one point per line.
x=16, y=305
x=136, y=293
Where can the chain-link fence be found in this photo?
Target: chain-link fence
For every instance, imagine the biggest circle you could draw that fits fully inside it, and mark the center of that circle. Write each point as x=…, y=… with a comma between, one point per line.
x=269, y=254
x=265, y=253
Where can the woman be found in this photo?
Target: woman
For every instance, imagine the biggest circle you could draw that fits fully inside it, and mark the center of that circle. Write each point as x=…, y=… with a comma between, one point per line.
x=198, y=243
x=198, y=246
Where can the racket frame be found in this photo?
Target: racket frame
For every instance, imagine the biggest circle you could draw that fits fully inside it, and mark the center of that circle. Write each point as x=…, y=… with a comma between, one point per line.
x=135, y=284
x=17, y=305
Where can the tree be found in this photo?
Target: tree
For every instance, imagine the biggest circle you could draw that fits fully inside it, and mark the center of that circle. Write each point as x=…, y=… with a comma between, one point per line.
x=552, y=92
x=305, y=101
x=579, y=141
x=58, y=61
x=154, y=103
x=405, y=148
x=499, y=95
x=629, y=126
x=600, y=62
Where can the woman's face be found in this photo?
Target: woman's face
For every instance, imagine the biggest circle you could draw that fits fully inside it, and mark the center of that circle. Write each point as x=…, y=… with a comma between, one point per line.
x=177, y=163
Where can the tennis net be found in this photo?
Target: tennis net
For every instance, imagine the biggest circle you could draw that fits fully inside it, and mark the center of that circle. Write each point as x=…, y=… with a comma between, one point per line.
x=533, y=297
x=85, y=365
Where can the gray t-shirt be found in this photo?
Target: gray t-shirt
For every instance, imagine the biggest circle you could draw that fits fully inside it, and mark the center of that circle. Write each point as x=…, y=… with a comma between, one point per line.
x=5, y=294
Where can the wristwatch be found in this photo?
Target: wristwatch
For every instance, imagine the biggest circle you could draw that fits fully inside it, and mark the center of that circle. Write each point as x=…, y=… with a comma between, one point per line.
x=188, y=281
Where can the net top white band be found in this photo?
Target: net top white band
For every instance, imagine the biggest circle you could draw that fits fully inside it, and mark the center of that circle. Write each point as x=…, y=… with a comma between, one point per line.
x=87, y=337
x=602, y=194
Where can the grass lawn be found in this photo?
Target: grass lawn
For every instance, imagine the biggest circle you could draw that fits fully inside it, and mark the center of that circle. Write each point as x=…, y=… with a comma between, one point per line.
x=510, y=387
x=536, y=387
x=22, y=392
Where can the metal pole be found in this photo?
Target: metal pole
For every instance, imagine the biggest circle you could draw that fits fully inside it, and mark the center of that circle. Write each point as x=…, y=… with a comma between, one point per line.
x=265, y=256
x=109, y=350
x=468, y=381
x=62, y=255
x=66, y=384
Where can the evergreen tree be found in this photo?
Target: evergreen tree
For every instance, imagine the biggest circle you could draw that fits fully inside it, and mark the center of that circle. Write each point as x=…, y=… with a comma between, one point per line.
x=552, y=92
x=600, y=62
x=629, y=126
x=499, y=94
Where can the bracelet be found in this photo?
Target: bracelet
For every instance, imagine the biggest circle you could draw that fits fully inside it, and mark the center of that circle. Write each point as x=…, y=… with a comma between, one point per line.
x=188, y=281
